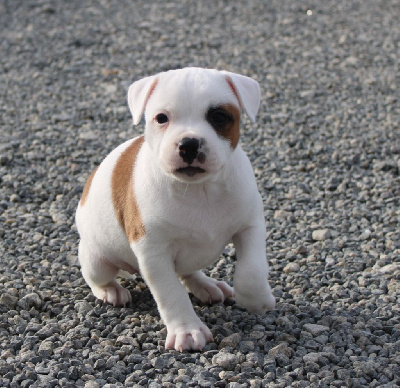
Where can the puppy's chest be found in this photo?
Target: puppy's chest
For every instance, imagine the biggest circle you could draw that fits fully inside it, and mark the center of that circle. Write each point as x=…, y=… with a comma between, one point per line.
x=199, y=226
x=195, y=245
x=190, y=256
x=200, y=215
x=197, y=235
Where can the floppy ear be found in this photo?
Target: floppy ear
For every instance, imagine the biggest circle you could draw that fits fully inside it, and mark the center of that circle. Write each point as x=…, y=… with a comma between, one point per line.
x=247, y=90
x=138, y=95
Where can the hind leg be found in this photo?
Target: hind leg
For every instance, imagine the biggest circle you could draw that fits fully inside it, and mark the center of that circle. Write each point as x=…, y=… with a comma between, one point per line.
x=100, y=275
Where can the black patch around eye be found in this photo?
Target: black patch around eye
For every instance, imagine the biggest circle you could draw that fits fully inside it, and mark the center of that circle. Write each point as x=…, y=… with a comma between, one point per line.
x=161, y=118
x=219, y=117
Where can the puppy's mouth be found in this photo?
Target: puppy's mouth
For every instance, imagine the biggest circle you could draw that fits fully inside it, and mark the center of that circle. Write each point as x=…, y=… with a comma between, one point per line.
x=190, y=171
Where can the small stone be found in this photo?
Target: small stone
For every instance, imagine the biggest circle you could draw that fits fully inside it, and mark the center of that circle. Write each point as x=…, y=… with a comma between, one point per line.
x=46, y=331
x=8, y=300
x=159, y=362
x=394, y=285
x=99, y=364
x=87, y=377
x=14, y=198
x=37, y=237
x=4, y=159
x=88, y=135
x=386, y=165
x=27, y=355
x=153, y=384
x=232, y=341
x=246, y=346
x=389, y=268
x=127, y=340
x=330, y=261
x=301, y=250
x=27, y=383
x=257, y=335
x=315, y=329
x=92, y=384
x=62, y=117
x=305, y=188
x=226, y=361
x=236, y=385
x=307, y=93
x=46, y=349
x=282, y=214
x=311, y=259
x=109, y=88
x=291, y=267
x=312, y=357
x=59, y=218
x=350, y=61
x=83, y=307
x=365, y=235
x=30, y=300
x=282, y=348
x=321, y=234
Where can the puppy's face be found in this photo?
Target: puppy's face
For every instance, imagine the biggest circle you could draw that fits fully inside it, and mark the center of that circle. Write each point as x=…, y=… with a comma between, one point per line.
x=192, y=122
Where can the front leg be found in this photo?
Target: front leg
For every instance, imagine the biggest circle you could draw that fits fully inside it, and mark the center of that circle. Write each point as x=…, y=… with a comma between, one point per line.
x=250, y=282
x=185, y=330
x=208, y=290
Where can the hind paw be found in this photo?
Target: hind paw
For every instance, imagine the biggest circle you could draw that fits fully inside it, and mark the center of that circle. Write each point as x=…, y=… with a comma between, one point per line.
x=113, y=293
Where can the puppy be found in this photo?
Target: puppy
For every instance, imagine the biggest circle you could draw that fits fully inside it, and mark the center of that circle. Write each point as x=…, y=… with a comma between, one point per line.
x=166, y=203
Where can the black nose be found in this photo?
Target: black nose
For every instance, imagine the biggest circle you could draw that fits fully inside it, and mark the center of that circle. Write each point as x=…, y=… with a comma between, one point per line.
x=189, y=149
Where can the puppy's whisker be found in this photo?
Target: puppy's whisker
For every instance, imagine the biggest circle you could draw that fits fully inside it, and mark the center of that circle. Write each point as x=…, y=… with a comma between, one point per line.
x=187, y=185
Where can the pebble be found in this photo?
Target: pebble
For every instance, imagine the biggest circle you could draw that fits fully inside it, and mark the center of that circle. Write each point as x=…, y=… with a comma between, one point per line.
x=321, y=234
x=365, y=235
x=291, y=267
x=30, y=300
x=8, y=300
x=315, y=329
x=232, y=341
x=282, y=348
x=389, y=268
x=83, y=307
x=282, y=214
x=227, y=361
x=46, y=349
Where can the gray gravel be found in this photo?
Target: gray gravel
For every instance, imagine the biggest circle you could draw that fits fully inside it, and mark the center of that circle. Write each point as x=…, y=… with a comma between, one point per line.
x=326, y=151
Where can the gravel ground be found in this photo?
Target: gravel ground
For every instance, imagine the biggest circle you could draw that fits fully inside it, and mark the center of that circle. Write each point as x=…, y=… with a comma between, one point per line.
x=326, y=152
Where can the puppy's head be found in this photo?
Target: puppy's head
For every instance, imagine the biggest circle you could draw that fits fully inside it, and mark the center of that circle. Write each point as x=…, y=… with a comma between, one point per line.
x=192, y=118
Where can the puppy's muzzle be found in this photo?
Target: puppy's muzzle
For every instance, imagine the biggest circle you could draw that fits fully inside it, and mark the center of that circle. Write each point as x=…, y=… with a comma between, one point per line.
x=190, y=151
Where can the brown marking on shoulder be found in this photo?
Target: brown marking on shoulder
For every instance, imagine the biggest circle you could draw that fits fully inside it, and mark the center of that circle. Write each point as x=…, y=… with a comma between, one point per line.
x=86, y=189
x=225, y=119
x=123, y=195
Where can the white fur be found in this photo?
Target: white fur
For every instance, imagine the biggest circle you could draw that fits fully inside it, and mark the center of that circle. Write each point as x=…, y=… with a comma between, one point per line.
x=188, y=220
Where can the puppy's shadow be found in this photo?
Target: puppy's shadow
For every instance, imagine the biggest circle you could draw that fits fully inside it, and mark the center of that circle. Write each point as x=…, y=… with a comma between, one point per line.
x=142, y=299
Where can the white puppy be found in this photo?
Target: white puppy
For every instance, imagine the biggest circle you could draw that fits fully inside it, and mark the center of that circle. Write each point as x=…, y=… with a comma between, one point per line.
x=166, y=203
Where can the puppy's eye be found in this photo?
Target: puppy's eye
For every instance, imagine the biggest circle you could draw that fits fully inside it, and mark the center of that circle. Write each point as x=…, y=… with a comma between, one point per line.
x=161, y=118
x=219, y=117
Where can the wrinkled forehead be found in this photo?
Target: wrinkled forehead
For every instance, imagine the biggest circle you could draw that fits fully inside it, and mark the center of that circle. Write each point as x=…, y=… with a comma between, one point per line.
x=191, y=91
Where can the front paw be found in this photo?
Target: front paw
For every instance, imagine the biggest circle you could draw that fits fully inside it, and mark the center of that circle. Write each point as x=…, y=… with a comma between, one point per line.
x=258, y=303
x=187, y=336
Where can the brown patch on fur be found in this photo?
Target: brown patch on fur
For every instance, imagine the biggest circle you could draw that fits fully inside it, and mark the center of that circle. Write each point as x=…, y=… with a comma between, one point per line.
x=86, y=189
x=123, y=194
x=225, y=119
